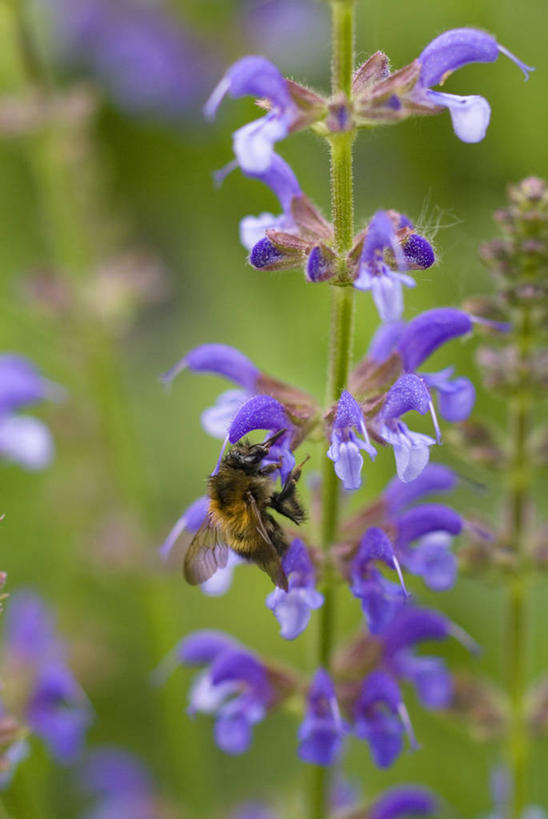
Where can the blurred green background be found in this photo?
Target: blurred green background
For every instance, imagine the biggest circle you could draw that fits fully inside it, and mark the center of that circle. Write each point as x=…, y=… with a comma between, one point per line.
x=131, y=456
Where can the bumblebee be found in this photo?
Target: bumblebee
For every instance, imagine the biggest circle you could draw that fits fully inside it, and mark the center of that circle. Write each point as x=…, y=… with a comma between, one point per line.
x=239, y=496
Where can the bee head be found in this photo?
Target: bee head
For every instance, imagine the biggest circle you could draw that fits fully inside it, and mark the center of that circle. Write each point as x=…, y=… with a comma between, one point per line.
x=248, y=456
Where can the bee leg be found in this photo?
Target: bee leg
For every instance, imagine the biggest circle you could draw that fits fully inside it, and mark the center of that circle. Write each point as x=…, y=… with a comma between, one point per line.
x=286, y=502
x=267, y=470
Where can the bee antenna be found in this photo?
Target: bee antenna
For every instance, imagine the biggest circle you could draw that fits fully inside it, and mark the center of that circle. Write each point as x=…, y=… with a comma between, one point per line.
x=272, y=440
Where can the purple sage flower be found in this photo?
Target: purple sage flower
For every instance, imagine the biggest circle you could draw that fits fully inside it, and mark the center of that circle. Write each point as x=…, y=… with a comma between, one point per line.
x=375, y=275
x=292, y=609
x=322, y=730
x=254, y=143
x=120, y=785
x=345, y=446
x=381, y=719
x=450, y=51
x=234, y=687
x=411, y=449
x=380, y=597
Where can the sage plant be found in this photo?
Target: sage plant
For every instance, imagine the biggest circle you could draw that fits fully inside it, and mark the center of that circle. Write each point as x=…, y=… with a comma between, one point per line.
x=357, y=688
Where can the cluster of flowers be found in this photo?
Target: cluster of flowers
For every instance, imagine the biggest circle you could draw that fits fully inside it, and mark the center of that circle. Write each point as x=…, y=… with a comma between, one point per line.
x=362, y=695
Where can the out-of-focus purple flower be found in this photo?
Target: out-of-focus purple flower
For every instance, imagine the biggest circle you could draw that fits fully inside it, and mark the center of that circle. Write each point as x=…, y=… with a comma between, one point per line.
x=429, y=675
x=456, y=397
x=322, y=730
x=378, y=713
x=450, y=51
x=380, y=597
x=23, y=439
x=411, y=449
x=253, y=810
x=55, y=707
x=254, y=143
x=277, y=27
x=292, y=609
x=234, y=686
x=434, y=478
x=279, y=177
x=374, y=273
x=147, y=62
x=402, y=802
x=120, y=785
x=345, y=446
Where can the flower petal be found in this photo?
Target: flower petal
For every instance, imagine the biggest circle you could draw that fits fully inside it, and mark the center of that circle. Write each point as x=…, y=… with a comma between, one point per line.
x=428, y=331
x=217, y=359
x=259, y=412
x=470, y=115
x=26, y=441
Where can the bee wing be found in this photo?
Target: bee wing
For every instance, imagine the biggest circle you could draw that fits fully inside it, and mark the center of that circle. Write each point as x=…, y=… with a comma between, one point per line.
x=257, y=518
x=205, y=554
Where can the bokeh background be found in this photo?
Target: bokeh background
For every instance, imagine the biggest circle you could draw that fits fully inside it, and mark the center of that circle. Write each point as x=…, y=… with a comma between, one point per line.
x=118, y=186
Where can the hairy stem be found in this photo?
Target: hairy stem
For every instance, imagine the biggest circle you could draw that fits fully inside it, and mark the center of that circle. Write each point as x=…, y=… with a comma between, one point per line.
x=520, y=485
x=342, y=308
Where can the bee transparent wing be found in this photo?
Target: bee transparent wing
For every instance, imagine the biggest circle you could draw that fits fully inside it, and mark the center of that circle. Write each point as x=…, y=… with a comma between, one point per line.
x=205, y=554
x=257, y=518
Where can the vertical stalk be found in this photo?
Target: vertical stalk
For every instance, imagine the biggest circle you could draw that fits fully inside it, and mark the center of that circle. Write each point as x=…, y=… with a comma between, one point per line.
x=342, y=309
x=70, y=213
x=520, y=485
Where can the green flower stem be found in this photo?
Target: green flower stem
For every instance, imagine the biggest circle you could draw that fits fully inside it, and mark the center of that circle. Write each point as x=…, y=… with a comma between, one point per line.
x=340, y=344
x=520, y=485
x=72, y=221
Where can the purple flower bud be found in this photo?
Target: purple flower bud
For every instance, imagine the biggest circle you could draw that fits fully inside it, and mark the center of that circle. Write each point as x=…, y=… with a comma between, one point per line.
x=191, y=520
x=292, y=609
x=320, y=266
x=434, y=478
x=428, y=331
x=345, y=443
x=322, y=730
x=402, y=802
x=265, y=254
x=217, y=359
x=418, y=251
